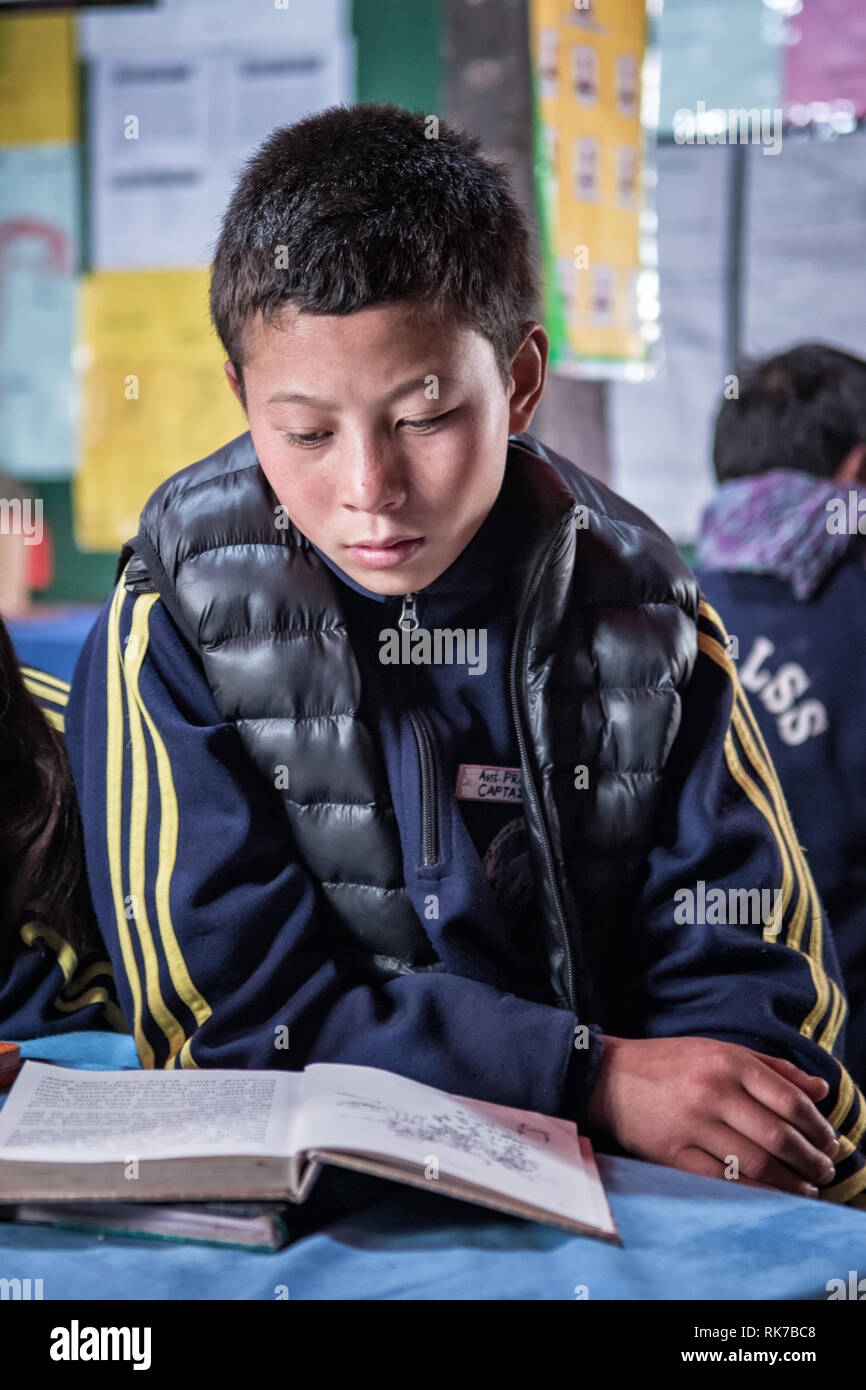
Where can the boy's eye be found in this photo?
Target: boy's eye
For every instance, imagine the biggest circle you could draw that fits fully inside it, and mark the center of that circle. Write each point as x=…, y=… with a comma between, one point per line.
x=305, y=441
x=420, y=425
x=309, y=441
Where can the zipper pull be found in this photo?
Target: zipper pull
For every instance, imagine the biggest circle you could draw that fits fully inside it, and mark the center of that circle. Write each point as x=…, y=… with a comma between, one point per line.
x=408, y=619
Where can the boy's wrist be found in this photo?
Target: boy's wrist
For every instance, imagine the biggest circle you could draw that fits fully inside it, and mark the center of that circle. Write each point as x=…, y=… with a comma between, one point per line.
x=581, y=1074
x=598, y=1108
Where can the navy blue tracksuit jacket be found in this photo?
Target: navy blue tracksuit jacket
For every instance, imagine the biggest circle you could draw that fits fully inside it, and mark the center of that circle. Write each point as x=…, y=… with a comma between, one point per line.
x=210, y=917
x=804, y=670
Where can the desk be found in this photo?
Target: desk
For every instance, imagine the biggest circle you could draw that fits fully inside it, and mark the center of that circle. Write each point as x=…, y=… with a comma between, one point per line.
x=684, y=1238
x=52, y=642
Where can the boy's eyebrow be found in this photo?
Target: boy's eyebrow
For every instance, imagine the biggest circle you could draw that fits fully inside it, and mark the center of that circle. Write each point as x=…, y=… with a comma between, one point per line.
x=298, y=398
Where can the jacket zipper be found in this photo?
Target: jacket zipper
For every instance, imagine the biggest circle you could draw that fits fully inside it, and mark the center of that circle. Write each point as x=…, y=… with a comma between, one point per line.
x=408, y=617
x=408, y=620
x=535, y=805
x=427, y=771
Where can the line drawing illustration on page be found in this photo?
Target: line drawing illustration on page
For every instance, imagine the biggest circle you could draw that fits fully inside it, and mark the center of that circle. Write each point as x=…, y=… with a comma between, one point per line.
x=458, y=1129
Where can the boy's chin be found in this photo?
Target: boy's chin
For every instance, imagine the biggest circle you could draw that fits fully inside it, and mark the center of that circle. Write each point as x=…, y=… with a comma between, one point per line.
x=394, y=582
x=401, y=579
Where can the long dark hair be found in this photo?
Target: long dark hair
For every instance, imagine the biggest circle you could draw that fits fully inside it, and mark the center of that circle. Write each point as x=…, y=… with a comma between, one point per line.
x=41, y=842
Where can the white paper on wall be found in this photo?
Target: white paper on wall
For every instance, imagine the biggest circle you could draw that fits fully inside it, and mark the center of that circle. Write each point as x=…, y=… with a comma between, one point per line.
x=169, y=134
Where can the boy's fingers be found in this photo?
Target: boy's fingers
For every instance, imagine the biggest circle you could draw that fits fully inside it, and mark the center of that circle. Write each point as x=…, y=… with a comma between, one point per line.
x=698, y=1161
x=764, y=1126
x=757, y=1160
x=796, y=1074
x=789, y=1101
x=694, y=1160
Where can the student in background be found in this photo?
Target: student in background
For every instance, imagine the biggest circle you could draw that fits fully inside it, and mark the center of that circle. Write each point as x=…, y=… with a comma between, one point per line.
x=781, y=556
x=54, y=975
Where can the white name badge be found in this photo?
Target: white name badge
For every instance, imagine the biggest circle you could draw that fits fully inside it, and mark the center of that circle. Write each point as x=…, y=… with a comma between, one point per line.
x=476, y=782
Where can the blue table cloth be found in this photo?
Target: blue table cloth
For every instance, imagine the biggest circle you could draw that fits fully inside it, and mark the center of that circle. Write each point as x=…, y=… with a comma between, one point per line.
x=683, y=1238
x=52, y=642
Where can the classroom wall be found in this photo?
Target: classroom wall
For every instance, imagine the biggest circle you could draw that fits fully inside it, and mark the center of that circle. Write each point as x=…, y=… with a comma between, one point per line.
x=399, y=61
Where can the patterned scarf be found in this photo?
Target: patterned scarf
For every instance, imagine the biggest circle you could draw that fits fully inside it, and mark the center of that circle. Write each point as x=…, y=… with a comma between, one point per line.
x=777, y=523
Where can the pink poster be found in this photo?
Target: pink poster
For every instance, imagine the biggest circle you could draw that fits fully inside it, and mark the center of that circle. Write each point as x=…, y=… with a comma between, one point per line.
x=825, y=53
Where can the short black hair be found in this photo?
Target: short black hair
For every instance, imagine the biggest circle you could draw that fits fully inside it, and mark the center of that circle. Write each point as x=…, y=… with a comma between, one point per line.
x=358, y=206
x=804, y=409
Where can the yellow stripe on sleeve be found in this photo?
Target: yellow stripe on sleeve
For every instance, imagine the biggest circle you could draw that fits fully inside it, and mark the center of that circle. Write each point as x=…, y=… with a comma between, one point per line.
x=168, y=838
x=745, y=725
x=67, y=959
x=66, y=956
x=53, y=711
x=717, y=653
x=46, y=692
x=45, y=677
x=842, y=1192
x=99, y=967
x=113, y=820
x=756, y=796
x=756, y=749
x=743, y=719
x=837, y=1017
x=839, y=1013
x=138, y=816
x=98, y=995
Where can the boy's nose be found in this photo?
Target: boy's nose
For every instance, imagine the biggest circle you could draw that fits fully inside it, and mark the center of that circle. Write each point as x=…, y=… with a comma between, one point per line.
x=374, y=483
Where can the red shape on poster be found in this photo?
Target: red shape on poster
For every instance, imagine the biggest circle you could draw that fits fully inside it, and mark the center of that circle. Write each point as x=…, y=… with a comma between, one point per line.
x=40, y=562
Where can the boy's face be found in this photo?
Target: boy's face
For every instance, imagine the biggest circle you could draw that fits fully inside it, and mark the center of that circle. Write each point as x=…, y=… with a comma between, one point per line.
x=390, y=480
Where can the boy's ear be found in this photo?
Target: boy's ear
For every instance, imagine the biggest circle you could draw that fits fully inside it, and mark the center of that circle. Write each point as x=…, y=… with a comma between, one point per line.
x=528, y=373
x=234, y=383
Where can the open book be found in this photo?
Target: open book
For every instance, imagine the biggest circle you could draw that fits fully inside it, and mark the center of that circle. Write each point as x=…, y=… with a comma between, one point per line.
x=149, y=1136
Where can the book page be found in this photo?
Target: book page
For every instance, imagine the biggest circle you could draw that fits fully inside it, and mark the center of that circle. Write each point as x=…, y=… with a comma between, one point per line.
x=57, y=1114
x=534, y=1158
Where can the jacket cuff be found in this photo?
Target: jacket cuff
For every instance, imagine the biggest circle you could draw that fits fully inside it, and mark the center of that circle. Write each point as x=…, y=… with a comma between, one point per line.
x=581, y=1074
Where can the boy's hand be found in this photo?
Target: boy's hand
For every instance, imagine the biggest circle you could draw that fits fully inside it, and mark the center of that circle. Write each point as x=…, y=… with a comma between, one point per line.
x=691, y=1103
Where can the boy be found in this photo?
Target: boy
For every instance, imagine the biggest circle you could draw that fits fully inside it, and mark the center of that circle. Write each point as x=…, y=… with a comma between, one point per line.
x=401, y=739
x=782, y=554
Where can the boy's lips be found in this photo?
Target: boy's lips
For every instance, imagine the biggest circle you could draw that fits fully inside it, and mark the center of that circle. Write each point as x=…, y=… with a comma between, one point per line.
x=380, y=555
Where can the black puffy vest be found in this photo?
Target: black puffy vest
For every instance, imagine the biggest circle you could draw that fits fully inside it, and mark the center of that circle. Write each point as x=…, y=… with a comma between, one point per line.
x=604, y=639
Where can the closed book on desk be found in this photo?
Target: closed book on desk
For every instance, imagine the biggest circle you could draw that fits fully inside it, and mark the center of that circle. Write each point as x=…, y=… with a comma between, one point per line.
x=244, y=1225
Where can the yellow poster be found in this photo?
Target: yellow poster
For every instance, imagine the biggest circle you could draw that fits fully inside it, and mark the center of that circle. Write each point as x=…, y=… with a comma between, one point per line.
x=588, y=60
x=154, y=396
x=38, y=79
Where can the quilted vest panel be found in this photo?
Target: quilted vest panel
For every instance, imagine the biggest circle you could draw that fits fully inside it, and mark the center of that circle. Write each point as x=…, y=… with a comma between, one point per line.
x=605, y=638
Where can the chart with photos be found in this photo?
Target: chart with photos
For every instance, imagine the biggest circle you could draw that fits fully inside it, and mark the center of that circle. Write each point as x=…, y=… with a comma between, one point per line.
x=595, y=87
